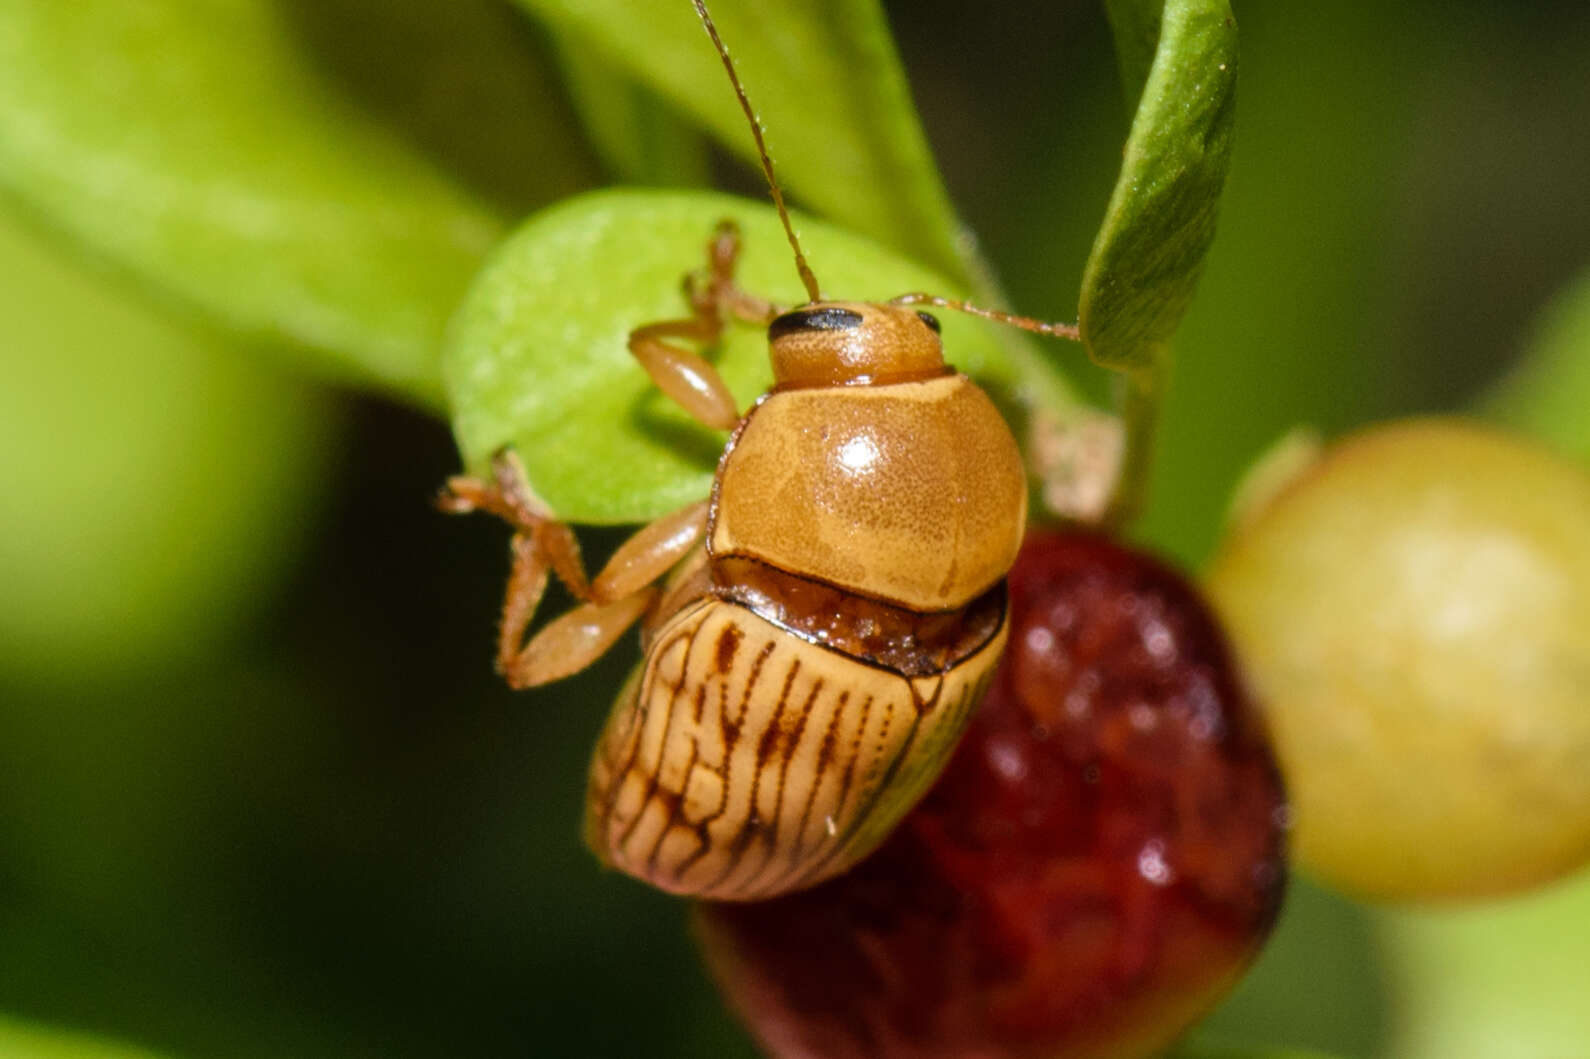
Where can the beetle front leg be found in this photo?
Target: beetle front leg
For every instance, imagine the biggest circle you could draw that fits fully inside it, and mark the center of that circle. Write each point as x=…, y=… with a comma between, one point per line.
x=509, y=497
x=686, y=376
x=621, y=593
x=570, y=643
x=694, y=384
x=617, y=598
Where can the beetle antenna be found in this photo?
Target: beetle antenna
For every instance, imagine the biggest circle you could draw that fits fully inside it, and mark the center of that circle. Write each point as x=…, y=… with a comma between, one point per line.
x=807, y=278
x=1026, y=323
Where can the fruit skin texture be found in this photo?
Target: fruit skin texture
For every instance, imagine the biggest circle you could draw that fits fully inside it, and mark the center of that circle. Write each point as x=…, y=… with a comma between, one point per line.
x=1414, y=613
x=1098, y=863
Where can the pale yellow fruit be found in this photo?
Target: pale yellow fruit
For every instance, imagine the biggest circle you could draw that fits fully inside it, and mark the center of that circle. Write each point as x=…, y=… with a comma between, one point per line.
x=1413, y=612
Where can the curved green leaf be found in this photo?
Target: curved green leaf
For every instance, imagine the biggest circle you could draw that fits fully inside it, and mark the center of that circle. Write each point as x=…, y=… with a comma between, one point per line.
x=537, y=357
x=1549, y=393
x=140, y=460
x=640, y=137
x=1135, y=26
x=1161, y=218
x=22, y=1040
x=824, y=76
x=327, y=174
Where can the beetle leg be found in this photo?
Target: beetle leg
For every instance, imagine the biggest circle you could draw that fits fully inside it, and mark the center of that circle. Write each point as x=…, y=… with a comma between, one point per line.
x=527, y=582
x=541, y=546
x=617, y=598
x=573, y=641
x=720, y=295
x=686, y=376
x=510, y=498
x=693, y=383
x=650, y=553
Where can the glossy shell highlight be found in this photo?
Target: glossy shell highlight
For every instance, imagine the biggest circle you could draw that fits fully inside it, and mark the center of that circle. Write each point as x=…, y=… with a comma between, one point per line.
x=912, y=493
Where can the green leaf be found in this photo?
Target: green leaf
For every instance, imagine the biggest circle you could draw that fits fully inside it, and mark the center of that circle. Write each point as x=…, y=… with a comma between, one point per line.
x=22, y=1040
x=1161, y=218
x=155, y=477
x=1135, y=26
x=824, y=76
x=640, y=137
x=1549, y=393
x=331, y=175
x=537, y=357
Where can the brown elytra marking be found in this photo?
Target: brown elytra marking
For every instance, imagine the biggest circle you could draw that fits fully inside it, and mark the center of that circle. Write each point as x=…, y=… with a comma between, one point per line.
x=728, y=644
x=700, y=701
x=927, y=705
x=825, y=749
x=815, y=869
x=748, y=830
x=855, y=756
x=674, y=802
x=730, y=730
x=774, y=732
x=825, y=752
x=791, y=744
x=662, y=744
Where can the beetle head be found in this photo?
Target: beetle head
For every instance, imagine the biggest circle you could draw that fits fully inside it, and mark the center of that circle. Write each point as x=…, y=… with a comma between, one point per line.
x=854, y=343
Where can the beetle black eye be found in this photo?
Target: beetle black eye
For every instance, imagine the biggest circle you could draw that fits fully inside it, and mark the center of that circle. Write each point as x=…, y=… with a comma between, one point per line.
x=929, y=319
x=828, y=318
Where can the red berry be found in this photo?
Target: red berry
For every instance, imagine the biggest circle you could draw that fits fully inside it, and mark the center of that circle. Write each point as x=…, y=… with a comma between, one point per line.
x=1100, y=860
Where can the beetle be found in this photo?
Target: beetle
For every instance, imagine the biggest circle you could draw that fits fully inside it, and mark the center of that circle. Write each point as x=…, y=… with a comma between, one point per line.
x=835, y=608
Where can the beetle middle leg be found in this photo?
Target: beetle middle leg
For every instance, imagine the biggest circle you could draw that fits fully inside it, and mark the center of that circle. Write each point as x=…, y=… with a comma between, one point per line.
x=609, y=604
x=686, y=376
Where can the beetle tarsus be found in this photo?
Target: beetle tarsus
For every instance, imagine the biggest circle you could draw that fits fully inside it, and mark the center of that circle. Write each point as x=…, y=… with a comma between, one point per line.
x=543, y=546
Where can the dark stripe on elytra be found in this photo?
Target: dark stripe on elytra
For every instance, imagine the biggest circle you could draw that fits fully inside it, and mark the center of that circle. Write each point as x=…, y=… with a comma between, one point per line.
x=850, y=766
x=642, y=704
x=748, y=827
x=793, y=862
x=700, y=702
x=867, y=808
x=675, y=803
x=731, y=731
x=728, y=646
x=662, y=746
x=731, y=735
x=970, y=696
x=792, y=743
x=848, y=822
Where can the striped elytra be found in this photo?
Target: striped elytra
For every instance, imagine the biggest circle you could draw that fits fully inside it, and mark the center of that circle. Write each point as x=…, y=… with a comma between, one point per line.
x=742, y=761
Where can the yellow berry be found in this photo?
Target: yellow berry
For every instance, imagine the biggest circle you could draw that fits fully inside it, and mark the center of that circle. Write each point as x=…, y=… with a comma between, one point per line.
x=1413, y=613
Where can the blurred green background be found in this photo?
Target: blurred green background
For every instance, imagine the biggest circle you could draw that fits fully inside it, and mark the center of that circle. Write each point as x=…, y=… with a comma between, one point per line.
x=260, y=793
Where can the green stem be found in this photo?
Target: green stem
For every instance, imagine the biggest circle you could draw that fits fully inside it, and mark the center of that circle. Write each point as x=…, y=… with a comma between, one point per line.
x=1139, y=402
